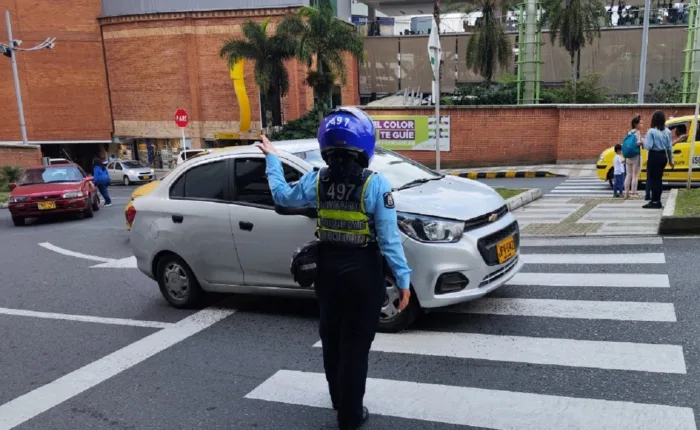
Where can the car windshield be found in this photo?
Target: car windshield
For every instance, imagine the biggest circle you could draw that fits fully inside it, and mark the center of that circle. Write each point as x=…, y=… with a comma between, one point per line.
x=399, y=170
x=131, y=165
x=50, y=175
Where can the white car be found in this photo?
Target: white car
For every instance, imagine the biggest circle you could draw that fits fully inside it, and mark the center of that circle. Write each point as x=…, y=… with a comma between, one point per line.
x=211, y=225
x=129, y=172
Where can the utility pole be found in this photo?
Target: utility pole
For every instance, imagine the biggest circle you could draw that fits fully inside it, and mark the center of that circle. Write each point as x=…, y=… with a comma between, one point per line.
x=11, y=50
x=643, y=59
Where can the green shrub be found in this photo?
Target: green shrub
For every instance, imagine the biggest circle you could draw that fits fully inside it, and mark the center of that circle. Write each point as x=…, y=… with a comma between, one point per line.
x=665, y=92
x=9, y=174
x=303, y=128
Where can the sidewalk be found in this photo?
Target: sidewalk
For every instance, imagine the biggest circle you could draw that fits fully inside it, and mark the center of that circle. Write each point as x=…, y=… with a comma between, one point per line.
x=530, y=171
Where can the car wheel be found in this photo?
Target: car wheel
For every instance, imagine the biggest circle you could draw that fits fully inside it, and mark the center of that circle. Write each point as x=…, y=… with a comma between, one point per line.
x=95, y=203
x=19, y=221
x=391, y=320
x=127, y=181
x=177, y=282
x=88, y=212
x=611, y=178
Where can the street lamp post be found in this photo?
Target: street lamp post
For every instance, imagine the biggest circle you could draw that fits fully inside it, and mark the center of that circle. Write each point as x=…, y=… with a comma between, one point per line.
x=10, y=50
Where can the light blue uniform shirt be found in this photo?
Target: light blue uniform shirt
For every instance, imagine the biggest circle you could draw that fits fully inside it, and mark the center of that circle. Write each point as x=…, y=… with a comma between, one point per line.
x=304, y=194
x=658, y=140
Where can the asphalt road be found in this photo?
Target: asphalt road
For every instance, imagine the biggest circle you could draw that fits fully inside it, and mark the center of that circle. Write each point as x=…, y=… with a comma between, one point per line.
x=556, y=349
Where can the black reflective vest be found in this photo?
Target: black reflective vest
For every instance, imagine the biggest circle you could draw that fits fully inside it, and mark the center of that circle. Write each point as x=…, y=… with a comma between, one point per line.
x=342, y=217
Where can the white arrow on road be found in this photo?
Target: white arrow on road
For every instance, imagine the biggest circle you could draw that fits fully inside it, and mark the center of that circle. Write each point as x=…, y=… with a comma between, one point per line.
x=105, y=263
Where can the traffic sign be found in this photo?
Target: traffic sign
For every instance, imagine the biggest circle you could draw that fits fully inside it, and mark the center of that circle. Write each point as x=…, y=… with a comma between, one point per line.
x=181, y=118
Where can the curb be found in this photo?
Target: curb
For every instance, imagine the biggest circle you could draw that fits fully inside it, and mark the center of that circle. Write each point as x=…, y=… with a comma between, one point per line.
x=501, y=174
x=671, y=224
x=522, y=199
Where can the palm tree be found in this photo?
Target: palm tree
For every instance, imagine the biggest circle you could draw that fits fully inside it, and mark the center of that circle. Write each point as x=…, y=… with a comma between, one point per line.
x=322, y=36
x=268, y=53
x=574, y=22
x=489, y=45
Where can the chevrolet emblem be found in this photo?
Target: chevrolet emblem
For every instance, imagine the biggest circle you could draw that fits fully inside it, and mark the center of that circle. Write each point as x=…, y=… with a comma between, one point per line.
x=493, y=217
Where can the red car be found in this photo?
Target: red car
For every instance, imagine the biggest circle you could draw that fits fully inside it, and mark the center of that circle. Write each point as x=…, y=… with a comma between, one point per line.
x=48, y=190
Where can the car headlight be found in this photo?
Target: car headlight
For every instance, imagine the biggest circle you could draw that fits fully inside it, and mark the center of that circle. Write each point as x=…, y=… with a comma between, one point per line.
x=600, y=159
x=73, y=195
x=18, y=199
x=430, y=229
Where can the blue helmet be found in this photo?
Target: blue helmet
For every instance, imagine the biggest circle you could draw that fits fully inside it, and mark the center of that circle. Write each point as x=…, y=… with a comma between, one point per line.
x=350, y=129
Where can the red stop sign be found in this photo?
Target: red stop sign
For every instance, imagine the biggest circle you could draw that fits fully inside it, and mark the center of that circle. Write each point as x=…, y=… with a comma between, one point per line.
x=181, y=118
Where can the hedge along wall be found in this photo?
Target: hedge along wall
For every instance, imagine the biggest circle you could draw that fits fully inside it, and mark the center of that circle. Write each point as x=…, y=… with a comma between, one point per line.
x=533, y=134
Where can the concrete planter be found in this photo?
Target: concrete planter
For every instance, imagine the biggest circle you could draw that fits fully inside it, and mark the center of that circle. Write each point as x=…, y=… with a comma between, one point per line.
x=675, y=224
x=522, y=199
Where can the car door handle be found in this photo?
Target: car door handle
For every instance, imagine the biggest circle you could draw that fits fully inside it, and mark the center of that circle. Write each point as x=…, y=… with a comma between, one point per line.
x=177, y=219
x=244, y=225
x=677, y=151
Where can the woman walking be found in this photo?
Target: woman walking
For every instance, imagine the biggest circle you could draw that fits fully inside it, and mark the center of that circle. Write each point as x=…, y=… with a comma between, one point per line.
x=658, y=143
x=633, y=158
x=101, y=179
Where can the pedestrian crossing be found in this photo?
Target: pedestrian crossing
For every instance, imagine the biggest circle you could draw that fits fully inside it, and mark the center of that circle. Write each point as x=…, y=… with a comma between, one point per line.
x=576, y=208
x=555, y=327
x=582, y=187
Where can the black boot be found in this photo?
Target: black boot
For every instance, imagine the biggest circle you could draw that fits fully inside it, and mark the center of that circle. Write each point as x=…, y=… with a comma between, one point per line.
x=363, y=420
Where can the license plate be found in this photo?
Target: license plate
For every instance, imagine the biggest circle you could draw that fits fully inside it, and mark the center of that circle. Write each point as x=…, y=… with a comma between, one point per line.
x=46, y=205
x=505, y=249
x=147, y=177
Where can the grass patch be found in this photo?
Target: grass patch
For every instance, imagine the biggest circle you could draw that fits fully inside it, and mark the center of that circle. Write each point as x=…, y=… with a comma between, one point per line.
x=688, y=202
x=507, y=193
x=4, y=196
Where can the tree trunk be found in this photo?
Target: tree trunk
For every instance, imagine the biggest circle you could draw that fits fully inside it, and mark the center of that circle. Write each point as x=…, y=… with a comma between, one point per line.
x=573, y=76
x=578, y=64
x=275, y=105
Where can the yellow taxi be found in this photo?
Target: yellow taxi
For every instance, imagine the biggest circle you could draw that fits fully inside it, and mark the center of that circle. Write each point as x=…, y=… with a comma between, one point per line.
x=681, y=153
x=147, y=188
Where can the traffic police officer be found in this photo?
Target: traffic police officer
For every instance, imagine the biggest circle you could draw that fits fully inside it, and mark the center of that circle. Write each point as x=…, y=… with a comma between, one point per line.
x=356, y=220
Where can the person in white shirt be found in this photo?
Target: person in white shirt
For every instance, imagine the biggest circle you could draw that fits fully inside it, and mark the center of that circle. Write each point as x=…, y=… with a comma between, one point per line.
x=619, y=172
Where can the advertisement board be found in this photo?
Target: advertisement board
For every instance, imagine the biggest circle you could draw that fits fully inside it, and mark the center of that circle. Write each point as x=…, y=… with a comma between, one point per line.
x=411, y=132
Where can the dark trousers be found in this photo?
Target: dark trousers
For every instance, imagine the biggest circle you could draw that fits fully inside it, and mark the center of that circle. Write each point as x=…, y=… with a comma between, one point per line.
x=655, y=173
x=105, y=194
x=350, y=289
x=619, y=184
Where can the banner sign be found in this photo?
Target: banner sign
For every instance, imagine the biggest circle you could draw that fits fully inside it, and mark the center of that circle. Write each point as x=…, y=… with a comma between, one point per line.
x=411, y=132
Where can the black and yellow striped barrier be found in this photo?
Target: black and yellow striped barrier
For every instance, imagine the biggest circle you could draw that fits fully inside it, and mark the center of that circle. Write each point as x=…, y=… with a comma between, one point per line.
x=507, y=174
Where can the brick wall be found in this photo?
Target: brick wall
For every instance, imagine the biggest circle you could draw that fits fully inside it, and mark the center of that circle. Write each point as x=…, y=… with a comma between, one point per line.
x=158, y=63
x=64, y=90
x=19, y=155
x=513, y=135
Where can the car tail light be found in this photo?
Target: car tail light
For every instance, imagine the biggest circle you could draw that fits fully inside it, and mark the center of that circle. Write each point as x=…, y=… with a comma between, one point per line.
x=131, y=215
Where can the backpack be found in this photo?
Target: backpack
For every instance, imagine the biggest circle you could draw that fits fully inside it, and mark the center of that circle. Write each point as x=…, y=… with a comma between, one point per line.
x=630, y=148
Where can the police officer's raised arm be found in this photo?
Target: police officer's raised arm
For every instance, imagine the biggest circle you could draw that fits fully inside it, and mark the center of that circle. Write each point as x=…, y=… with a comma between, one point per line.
x=302, y=194
x=388, y=236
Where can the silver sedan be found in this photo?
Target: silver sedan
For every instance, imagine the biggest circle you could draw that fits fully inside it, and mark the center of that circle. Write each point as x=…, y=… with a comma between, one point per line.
x=128, y=172
x=212, y=226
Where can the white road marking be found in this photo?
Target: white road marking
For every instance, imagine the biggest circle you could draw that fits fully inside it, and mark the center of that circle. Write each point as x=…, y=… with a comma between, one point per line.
x=591, y=280
x=580, y=241
x=27, y=406
x=69, y=253
x=479, y=407
x=582, y=309
x=83, y=318
x=586, y=259
x=105, y=263
x=638, y=357
x=124, y=263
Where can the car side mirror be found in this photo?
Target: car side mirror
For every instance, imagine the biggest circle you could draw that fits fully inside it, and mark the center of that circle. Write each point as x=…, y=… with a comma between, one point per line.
x=12, y=186
x=90, y=178
x=305, y=211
